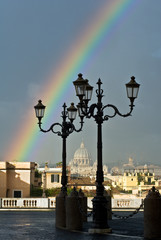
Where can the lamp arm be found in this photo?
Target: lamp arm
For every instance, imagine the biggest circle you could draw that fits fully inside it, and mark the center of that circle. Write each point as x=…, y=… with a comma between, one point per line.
x=56, y=132
x=90, y=112
x=81, y=126
x=116, y=111
x=67, y=129
x=51, y=128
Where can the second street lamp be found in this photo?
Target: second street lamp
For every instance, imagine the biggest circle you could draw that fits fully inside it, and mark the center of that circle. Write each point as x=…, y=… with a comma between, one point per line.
x=96, y=111
x=66, y=128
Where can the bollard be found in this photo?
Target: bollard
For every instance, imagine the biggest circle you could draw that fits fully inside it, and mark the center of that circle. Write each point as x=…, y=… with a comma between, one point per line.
x=109, y=208
x=61, y=210
x=152, y=215
x=83, y=205
x=73, y=214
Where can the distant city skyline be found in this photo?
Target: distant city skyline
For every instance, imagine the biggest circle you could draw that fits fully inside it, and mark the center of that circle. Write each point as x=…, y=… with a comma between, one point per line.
x=35, y=37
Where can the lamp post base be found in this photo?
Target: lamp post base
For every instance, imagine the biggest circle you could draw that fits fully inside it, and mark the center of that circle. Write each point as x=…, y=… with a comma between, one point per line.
x=61, y=210
x=100, y=216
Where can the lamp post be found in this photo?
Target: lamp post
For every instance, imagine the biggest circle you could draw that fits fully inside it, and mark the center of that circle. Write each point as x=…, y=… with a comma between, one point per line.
x=66, y=128
x=96, y=111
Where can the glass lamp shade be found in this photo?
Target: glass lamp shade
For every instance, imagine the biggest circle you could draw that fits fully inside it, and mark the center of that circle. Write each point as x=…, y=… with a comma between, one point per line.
x=39, y=109
x=80, y=86
x=88, y=92
x=72, y=112
x=81, y=109
x=132, y=88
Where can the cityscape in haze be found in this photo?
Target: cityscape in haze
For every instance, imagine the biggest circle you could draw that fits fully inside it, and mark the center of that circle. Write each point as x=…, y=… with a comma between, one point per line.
x=36, y=40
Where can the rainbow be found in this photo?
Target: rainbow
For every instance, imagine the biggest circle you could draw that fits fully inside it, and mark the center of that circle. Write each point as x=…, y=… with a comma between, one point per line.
x=76, y=60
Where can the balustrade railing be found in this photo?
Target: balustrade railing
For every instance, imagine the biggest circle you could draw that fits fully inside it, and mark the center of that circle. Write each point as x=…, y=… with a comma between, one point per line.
x=27, y=203
x=126, y=203
x=51, y=203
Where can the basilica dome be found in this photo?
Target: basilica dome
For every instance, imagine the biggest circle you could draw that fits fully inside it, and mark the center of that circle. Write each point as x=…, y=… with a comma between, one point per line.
x=81, y=164
x=81, y=153
x=81, y=157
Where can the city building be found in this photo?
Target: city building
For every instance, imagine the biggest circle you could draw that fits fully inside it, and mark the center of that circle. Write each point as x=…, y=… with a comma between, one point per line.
x=85, y=183
x=16, y=178
x=129, y=165
x=82, y=165
x=136, y=179
x=129, y=181
x=149, y=168
x=50, y=177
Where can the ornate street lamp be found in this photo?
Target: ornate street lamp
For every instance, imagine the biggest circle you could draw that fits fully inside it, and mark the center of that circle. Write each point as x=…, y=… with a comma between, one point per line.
x=66, y=128
x=39, y=110
x=132, y=89
x=85, y=93
x=80, y=86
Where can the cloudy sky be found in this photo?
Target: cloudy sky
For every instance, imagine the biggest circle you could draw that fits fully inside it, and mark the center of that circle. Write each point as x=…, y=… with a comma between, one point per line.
x=35, y=37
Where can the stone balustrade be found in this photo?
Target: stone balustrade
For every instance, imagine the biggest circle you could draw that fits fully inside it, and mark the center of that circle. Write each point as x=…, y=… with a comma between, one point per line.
x=43, y=203
x=27, y=203
x=126, y=203
x=131, y=203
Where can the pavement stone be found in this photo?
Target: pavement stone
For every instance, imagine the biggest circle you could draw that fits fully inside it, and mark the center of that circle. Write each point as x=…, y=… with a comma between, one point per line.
x=40, y=225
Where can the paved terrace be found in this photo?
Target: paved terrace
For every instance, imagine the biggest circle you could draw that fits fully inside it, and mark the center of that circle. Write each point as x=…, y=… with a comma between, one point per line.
x=39, y=225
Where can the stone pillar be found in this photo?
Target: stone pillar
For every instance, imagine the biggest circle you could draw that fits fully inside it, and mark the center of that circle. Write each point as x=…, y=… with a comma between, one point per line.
x=109, y=207
x=83, y=202
x=73, y=214
x=152, y=215
x=61, y=210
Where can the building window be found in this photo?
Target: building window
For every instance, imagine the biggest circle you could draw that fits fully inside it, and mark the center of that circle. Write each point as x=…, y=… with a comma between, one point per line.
x=17, y=194
x=54, y=178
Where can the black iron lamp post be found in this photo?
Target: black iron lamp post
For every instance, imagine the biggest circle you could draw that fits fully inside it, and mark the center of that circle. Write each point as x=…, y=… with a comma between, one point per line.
x=96, y=110
x=66, y=128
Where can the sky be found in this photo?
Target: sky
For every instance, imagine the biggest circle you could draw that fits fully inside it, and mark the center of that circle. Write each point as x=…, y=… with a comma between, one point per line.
x=37, y=35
